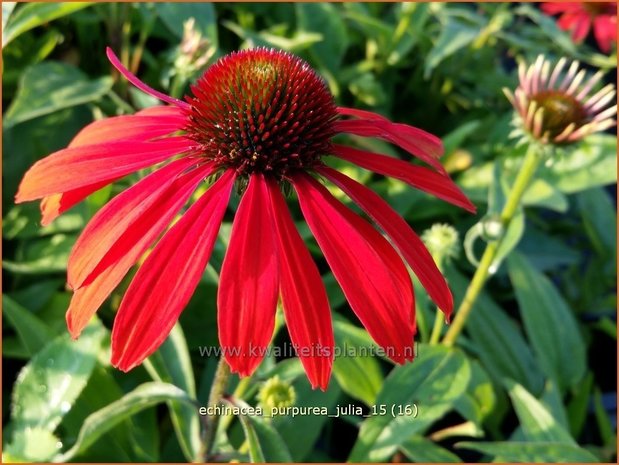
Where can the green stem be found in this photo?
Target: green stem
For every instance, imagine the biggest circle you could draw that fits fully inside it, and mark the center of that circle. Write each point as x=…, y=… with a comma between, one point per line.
x=218, y=389
x=526, y=173
x=438, y=326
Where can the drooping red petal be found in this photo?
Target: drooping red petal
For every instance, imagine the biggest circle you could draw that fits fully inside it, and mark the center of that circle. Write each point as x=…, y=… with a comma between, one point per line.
x=73, y=168
x=139, y=84
x=417, y=176
x=249, y=282
x=605, y=31
x=144, y=125
x=166, y=280
x=129, y=247
x=368, y=269
x=118, y=215
x=417, y=142
x=305, y=302
x=410, y=245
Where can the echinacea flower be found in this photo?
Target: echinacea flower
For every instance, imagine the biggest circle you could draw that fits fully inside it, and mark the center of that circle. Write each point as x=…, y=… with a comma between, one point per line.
x=579, y=17
x=557, y=105
x=260, y=119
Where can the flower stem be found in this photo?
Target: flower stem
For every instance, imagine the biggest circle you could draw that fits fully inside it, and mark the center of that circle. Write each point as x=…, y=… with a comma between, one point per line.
x=218, y=389
x=436, y=329
x=526, y=173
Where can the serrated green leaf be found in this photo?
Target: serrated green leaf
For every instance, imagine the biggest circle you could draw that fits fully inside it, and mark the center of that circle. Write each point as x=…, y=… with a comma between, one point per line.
x=434, y=382
x=549, y=323
x=144, y=396
x=51, y=86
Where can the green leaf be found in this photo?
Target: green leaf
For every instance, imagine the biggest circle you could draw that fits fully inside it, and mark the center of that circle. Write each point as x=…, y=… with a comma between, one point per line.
x=592, y=163
x=535, y=452
x=171, y=364
x=7, y=10
x=46, y=255
x=359, y=376
x=454, y=36
x=49, y=384
x=174, y=15
x=433, y=382
x=32, y=15
x=479, y=399
x=549, y=323
x=289, y=428
x=33, y=333
x=412, y=18
x=420, y=449
x=325, y=19
x=31, y=445
x=536, y=421
x=599, y=217
x=144, y=396
x=497, y=340
x=24, y=221
x=265, y=443
x=577, y=409
x=51, y=86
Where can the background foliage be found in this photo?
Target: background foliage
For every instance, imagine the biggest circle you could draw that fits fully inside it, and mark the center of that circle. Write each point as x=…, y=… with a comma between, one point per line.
x=534, y=377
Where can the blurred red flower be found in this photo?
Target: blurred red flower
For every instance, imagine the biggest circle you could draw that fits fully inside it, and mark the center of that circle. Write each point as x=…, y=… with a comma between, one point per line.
x=579, y=17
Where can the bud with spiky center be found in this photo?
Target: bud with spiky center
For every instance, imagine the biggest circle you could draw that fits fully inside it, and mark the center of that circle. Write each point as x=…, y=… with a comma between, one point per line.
x=558, y=106
x=262, y=111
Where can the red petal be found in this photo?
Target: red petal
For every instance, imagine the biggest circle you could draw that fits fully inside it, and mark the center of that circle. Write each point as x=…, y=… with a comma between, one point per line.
x=581, y=29
x=417, y=176
x=370, y=272
x=422, y=144
x=305, y=302
x=73, y=168
x=137, y=127
x=144, y=125
x=605, y=31
x=129, y=248
x=139, y=84
x=53, y=205
x=248, y=284
x=118, y=215
x=345, y=111
x=553, y=8
x=165, y=282
x=404, y=238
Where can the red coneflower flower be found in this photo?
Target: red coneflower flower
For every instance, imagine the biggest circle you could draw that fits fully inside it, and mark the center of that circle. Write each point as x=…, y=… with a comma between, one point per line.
x=557, y=105
x=261, y=119
x=579, y=17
